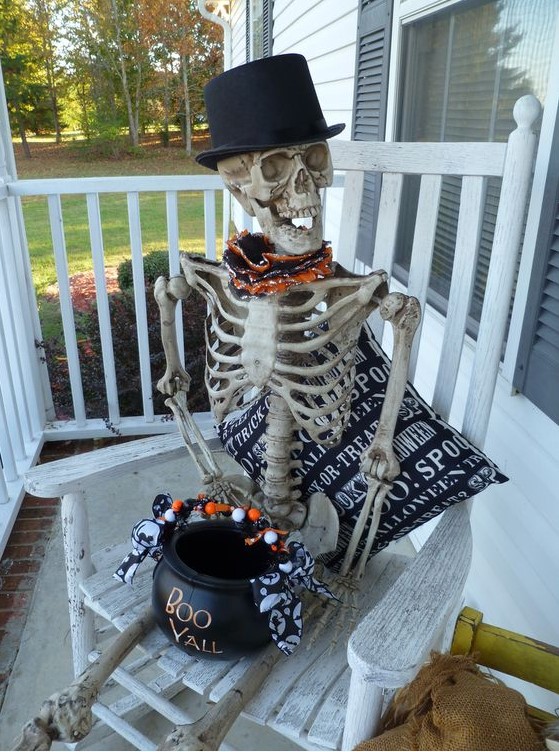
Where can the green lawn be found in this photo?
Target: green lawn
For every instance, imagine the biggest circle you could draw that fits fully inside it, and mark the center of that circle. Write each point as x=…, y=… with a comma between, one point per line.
x=116, y=239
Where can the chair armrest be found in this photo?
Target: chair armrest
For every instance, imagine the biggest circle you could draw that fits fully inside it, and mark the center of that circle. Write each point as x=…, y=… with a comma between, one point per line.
x=394, y=639
x=74, y=473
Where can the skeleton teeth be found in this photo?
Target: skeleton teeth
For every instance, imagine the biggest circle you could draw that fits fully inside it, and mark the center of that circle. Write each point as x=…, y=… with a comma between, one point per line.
x=310, y=211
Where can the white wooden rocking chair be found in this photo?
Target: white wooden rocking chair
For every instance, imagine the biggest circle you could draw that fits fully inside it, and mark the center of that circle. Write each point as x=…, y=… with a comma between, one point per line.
x=324, y=698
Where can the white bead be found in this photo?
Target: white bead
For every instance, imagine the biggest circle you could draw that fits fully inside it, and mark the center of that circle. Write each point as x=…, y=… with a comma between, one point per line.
x=286, y=566
x=238, y=514
x=169, y=515
x=270, y=537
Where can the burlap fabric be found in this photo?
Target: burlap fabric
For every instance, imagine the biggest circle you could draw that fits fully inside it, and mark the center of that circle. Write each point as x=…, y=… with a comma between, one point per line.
x=452, y=705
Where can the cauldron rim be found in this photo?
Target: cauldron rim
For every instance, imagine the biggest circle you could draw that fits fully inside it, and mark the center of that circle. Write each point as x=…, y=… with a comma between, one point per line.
x=174, y=562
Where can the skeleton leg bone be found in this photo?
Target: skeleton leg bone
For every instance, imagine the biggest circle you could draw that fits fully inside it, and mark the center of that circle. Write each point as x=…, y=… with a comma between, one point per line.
x=66, y=715
x=208, y=732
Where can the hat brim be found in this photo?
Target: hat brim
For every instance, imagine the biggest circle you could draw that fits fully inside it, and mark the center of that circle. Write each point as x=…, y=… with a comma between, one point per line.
x=211, y=157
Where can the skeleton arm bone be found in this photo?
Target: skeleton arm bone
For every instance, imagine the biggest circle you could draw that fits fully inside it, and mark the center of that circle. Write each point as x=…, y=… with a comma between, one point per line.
x=403, y=312
x=167, y=294
x=379, y=463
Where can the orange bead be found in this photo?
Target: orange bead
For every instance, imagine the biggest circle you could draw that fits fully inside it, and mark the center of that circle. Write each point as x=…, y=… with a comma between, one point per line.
x=210, y=507
x=222, y=508
x=254, y=514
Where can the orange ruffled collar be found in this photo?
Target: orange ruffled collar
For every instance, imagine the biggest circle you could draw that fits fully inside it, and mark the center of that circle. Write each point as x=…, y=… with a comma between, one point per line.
x=255, y=269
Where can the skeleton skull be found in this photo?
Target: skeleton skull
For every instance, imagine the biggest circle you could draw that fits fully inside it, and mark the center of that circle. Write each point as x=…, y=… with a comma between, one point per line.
x=279, y=186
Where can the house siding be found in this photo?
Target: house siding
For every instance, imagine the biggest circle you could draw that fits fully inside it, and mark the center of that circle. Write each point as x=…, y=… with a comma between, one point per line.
x=331, y=58
x=515, y=566
x=238, y=32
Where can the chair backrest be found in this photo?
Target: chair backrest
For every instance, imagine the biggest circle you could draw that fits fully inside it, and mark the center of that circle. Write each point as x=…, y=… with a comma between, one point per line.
x=474, y=164
x=508, y=652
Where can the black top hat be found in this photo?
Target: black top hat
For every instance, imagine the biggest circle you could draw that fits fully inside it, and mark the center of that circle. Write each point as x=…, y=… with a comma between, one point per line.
x=261, y=105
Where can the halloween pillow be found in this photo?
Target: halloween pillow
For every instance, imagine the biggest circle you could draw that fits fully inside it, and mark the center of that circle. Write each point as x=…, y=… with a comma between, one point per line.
x=438, y=466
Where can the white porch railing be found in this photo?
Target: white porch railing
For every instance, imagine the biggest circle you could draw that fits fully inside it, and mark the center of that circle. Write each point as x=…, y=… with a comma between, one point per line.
x=172, y=187
x=22, y=407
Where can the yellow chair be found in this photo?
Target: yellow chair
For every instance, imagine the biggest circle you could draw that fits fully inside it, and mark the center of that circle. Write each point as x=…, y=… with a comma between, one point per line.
x=508, y=652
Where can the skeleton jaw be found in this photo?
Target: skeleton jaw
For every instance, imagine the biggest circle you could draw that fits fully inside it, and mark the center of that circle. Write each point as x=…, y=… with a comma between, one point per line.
x=293, y=232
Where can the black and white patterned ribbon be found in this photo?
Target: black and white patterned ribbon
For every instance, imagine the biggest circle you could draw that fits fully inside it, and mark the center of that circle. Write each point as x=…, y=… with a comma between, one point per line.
x=147, y=540
x=276, y=593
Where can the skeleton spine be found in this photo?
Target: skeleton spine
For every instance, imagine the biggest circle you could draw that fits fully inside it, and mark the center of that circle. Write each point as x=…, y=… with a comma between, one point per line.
x=279, y=485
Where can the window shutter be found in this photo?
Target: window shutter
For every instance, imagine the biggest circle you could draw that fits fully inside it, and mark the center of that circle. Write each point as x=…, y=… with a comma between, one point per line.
x=537, y=368
x=247, y=30
x=373, y=47
x=267, y=27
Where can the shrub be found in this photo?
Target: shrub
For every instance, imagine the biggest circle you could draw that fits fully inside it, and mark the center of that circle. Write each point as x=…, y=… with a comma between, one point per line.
x=156, y=264
x=103, y=147
x=125, y=345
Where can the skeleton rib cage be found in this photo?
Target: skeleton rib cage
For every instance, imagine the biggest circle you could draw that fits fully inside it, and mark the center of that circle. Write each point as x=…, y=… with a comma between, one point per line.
x=309, y=337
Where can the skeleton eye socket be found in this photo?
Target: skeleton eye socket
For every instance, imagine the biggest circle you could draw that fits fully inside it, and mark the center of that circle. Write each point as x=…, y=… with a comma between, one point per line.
x=316, y=157
x=275, y=167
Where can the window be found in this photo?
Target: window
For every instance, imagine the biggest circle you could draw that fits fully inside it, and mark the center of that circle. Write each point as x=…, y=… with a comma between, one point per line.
x=464, y=69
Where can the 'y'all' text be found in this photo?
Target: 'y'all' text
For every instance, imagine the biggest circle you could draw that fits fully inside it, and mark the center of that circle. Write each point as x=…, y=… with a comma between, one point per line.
x=181, y=611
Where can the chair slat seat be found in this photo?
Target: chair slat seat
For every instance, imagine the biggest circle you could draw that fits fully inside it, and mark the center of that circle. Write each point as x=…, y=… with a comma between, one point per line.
x=327, y=727
x=317, y=678
x=173, y=661
x=201, y=675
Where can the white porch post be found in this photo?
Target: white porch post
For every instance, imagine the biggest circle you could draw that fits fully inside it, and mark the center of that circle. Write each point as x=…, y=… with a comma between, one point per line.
x=22, y=405
x=18, y=269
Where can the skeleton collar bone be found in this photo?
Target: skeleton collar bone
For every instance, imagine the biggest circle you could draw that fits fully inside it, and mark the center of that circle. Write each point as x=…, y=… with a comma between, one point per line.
x=255, y=269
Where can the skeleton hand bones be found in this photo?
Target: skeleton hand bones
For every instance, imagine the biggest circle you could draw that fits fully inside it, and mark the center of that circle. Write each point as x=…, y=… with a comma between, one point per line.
x=379, y=463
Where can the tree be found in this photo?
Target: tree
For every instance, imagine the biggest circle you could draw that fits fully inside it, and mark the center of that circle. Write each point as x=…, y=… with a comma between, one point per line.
x=186, y=48
x=45, y=15
x=26, y=91
x=105, y=65
x=107, y=35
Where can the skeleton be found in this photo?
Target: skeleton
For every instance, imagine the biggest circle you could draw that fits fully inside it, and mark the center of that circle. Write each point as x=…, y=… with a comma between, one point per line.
x=299, y=343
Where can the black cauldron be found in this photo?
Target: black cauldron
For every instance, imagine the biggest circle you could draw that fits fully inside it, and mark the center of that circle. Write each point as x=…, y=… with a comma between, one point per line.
x=201, y=595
